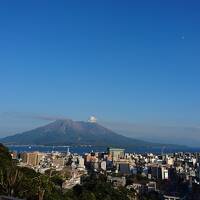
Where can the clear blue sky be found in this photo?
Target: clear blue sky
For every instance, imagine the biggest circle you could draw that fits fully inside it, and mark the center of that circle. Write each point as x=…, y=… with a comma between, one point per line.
x=123, y=61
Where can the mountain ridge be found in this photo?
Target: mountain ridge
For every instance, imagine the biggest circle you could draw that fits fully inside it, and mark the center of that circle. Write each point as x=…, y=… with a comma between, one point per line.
x=69, y=132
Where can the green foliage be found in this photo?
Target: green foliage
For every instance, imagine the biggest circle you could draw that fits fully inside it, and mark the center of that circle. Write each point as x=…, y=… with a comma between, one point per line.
x=25, y=183
x=29, y=173
x=64, y=173
x=5, y=157
x=10, y=180
x=137, y=179
x=87, y=196
x=97, y=188
x=57, y=180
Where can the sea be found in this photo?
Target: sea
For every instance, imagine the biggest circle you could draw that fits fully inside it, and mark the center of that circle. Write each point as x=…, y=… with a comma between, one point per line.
x=87, y=149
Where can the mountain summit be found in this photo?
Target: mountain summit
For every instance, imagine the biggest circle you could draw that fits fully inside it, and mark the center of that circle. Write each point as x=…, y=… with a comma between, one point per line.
x=69, y=132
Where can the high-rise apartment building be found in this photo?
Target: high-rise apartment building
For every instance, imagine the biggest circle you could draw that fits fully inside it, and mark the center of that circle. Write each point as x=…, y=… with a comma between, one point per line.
x=116, y=153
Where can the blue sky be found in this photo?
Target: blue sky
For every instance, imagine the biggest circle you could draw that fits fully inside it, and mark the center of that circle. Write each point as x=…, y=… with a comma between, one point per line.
x=130, y=63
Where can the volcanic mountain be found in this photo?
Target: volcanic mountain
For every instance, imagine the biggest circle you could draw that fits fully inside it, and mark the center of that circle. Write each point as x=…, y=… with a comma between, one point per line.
x=68, y=132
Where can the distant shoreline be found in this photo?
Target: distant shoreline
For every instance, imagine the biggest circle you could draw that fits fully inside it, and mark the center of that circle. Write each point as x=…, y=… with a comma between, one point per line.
x=89, y=148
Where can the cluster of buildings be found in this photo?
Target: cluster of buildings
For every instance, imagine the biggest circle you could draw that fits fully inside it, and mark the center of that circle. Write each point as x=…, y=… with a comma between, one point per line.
x=153, y=170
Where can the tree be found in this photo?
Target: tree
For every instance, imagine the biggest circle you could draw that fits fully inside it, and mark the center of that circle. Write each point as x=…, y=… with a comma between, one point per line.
x=10, y=180
x=87, y=196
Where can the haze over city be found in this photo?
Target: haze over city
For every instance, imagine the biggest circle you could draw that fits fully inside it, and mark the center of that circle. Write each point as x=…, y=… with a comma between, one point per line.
x=133, y=65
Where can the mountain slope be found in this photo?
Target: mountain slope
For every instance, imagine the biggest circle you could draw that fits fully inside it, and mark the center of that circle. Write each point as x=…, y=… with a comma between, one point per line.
x=68, y=132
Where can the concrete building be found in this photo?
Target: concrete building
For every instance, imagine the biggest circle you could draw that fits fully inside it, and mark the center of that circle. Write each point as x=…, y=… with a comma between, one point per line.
x=151, y=186
x=165, y=173
x=23, y=157
x=81, y=162
x=33, y=158
x=58, y=162
x=115, y=153
x=103, y=165
x=124, y=168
